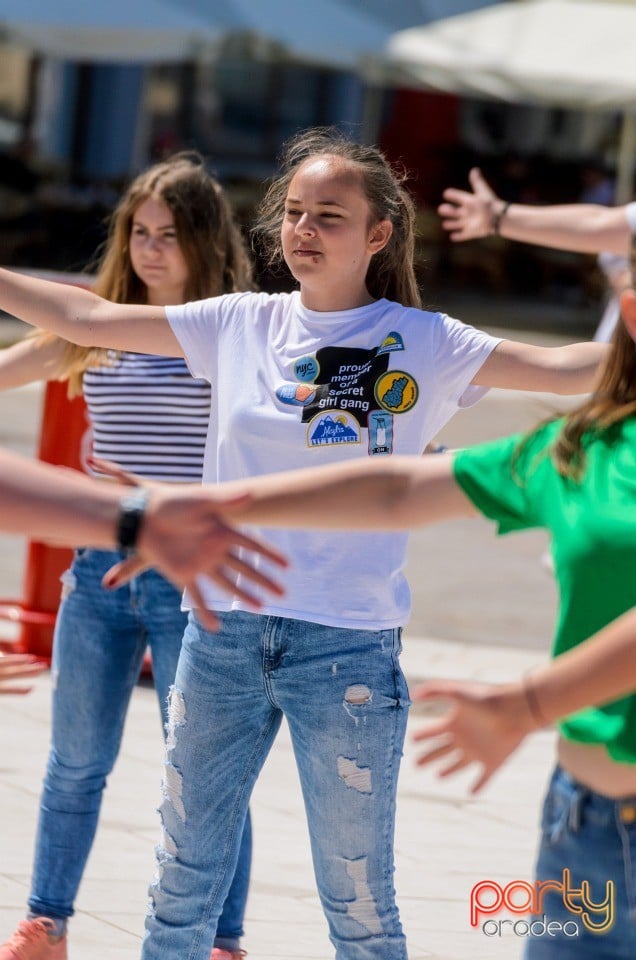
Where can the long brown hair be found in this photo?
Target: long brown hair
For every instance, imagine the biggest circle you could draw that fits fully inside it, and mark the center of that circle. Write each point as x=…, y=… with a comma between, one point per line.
x=613, y=400
x=391, y=273
x=208, y=236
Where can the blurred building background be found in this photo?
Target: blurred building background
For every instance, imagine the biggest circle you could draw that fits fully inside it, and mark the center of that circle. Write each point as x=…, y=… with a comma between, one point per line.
x=75, y=128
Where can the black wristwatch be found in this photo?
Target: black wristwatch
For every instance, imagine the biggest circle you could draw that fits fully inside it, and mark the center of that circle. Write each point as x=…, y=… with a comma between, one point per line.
x=131, y=517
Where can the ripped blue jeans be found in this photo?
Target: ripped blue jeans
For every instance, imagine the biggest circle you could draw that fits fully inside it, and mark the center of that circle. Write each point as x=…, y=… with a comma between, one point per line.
x=99, y=644
x=346, y=702
x=593, y=837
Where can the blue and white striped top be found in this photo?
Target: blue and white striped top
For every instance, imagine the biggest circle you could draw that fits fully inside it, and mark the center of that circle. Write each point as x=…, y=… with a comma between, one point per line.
x=149, y=415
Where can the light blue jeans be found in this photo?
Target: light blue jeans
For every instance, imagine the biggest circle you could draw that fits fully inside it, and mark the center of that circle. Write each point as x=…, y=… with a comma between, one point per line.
x=99, y=644
x=346, y=703
x=594, y=837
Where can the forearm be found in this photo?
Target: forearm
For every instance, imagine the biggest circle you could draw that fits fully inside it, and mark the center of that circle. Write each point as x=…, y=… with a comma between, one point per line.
x=392, y=493
x=584, y=228
x=83, y=318
x=31, y=360
x=62, y=309
x=599, y=670
x=49, y=503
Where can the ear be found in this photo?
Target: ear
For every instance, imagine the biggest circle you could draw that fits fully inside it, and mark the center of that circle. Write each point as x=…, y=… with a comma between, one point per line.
x=380, y=235
x=628, y=311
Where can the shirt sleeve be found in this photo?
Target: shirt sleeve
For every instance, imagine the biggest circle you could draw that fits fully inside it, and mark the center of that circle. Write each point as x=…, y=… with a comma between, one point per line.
x=197, y=326
x=502, y=479
x=630, y=214
x=460, y=352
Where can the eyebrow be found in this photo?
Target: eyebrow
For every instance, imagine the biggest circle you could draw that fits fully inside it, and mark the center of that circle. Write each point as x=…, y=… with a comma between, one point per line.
x=321, y=203
x=165, y=226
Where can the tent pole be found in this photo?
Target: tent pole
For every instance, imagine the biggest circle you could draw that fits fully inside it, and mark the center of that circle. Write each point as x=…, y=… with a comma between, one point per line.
x=626, y=159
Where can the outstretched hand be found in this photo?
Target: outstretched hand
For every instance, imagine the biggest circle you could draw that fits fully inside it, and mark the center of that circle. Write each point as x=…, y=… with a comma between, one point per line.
x=185, y=535
x=465, y=215
x=484, y=724
x=17, y=666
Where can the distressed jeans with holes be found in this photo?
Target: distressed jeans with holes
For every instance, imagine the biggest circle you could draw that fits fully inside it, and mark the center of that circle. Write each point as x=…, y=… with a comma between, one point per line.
x=100, y=639
x=346, y=702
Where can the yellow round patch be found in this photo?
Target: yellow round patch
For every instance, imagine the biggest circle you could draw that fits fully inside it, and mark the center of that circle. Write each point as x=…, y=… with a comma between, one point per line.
x=396, y=391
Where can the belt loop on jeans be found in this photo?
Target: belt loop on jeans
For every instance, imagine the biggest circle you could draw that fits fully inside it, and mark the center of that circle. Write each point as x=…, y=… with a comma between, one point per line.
x=576, y=805
x=627, y=811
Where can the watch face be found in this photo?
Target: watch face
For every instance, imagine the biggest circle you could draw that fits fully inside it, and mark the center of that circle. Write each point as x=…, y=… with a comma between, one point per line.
x=132, y=509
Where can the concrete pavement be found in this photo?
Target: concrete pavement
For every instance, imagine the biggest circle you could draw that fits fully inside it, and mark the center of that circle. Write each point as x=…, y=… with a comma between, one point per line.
x=482, y=609
x=445, y=842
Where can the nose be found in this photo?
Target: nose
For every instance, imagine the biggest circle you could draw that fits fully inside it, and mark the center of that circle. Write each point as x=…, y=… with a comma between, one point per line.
x=153, y=244
x=305, y=226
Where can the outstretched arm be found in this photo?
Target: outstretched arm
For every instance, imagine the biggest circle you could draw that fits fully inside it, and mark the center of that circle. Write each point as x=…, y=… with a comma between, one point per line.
x=84, y=318
x=182, y=534
x=582, y=227
x=388, y=493
x=31, y=360
x=565, y=370
x=485, y=723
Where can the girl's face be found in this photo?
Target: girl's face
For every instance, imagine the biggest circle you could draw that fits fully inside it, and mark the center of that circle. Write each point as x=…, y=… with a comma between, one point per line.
x=155, y=253
x=327, y=235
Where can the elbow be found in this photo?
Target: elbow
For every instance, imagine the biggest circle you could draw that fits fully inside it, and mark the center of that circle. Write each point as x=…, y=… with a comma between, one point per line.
x=81, y=333
x=398, y=500
x=577, y=373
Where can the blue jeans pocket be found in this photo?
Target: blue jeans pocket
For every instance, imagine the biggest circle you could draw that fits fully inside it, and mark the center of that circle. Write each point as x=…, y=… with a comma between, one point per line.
x=557, y=815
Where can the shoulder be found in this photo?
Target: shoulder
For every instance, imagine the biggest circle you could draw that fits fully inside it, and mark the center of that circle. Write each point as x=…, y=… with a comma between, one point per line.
x=217, y=309
x=525, y=450
x=253, y=302
x=532, y=452
x=425, y=325
x=409, y=314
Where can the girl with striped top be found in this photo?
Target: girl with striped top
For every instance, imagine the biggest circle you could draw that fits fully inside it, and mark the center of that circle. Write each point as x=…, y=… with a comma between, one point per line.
x=172, y=239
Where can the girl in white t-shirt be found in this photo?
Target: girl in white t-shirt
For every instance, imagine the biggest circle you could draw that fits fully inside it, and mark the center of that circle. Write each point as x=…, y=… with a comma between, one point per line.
x=348, y=366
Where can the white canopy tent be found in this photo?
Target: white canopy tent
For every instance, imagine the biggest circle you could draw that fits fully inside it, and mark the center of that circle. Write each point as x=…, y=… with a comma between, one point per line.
x=565, y=53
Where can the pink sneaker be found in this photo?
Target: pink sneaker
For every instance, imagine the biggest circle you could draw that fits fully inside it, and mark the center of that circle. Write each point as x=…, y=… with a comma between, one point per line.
x=32, y=941
x=219, y=954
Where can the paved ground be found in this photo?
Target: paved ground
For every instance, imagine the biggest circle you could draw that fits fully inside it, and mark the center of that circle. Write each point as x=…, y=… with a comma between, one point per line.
x=481, y=609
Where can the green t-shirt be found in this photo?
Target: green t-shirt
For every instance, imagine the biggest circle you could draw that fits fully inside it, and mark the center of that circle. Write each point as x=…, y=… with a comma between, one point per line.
x=592, y=523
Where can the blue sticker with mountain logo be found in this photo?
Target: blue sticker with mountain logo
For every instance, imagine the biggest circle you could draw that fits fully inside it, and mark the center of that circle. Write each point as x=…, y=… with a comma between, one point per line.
x=327, y=429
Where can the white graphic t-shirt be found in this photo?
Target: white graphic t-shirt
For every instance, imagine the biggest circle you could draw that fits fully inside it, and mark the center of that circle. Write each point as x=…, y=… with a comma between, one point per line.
x=292, y=388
